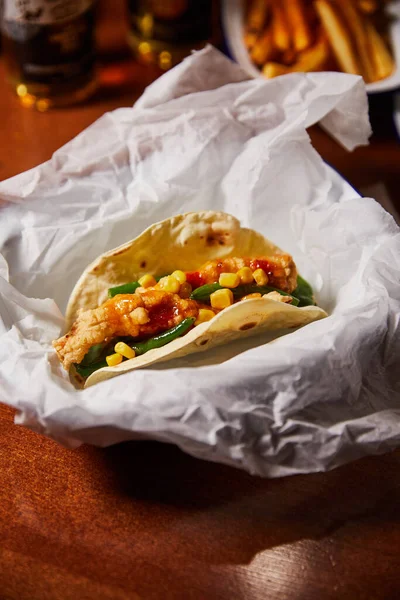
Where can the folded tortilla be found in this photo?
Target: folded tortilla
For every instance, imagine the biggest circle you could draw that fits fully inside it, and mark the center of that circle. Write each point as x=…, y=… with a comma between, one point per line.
x=186, y=242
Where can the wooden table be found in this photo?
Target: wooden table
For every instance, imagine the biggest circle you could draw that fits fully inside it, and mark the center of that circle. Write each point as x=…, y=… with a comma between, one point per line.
x=145, y=521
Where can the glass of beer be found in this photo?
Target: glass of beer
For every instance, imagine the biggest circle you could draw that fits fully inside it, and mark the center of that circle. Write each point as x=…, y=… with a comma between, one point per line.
x=165, y=31
x=49, y=50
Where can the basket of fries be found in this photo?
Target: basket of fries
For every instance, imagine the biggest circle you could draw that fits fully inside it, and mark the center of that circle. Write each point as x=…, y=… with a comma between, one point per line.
x=274, y=37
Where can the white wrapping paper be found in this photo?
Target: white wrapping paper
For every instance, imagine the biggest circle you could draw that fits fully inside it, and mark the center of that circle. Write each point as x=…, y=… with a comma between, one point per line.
x=203, y=136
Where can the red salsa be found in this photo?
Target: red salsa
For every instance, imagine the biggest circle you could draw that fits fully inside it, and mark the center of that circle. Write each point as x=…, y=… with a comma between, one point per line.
x=161, y=317
x=259, y=263
x=195, y=279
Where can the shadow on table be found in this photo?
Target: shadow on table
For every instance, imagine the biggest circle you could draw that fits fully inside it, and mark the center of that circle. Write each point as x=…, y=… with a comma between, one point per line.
x=233, y=515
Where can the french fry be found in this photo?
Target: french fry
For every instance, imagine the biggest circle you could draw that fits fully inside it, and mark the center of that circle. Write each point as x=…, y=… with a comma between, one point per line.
x=298, y=24
x=250, y=39
x=312, y=59
x=368, y=7
x=264, y=48
x=279, y=36
x=280, y=28
x=256, y=19
x=356, y=26
x=338, y=37
x=274, y=69
x=257, y=16
x=383, y=61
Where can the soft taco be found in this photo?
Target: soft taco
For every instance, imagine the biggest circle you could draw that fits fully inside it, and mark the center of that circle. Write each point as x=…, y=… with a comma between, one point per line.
x=184, y=285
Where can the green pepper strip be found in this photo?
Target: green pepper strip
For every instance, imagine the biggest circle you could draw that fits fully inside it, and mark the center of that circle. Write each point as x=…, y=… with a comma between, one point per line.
x=93, y=355
x=164, y=338
x=202, y=294
x=157, y=341
x=304, y=292
x=127, y=288
x=85, y=371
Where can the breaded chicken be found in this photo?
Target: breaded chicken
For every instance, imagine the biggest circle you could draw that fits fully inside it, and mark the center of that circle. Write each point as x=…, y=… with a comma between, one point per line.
x=142, y=314
x=280, y=269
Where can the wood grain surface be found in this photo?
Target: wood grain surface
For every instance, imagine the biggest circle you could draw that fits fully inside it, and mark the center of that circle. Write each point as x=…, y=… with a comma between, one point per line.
x=145, y=521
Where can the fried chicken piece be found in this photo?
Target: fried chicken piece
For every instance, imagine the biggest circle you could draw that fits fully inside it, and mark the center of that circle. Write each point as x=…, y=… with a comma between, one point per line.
x=142, y=314
x=280, y=269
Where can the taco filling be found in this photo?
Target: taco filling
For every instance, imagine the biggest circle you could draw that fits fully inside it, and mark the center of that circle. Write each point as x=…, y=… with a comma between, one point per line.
x=151, y=312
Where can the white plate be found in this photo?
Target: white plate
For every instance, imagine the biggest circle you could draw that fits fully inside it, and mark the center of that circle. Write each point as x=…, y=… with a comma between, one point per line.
x=232, y=21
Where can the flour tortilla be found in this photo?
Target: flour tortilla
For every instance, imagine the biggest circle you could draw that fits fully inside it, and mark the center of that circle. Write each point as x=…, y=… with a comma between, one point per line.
x=185, y=242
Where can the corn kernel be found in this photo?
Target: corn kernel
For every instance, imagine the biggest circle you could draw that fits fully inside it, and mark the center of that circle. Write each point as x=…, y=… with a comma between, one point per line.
x=260, y=277
x=229, y=280
x=169, y=284
x=140, y=315
x=124, y=350
x=221, y=298
x=147, y=281
x=205, y=314
x=186, y=290
x=245, y=275
x=114, y=359
x=179, y=276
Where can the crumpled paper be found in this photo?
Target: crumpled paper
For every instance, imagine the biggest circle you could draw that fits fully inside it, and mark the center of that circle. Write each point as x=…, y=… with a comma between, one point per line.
x=204, y=136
